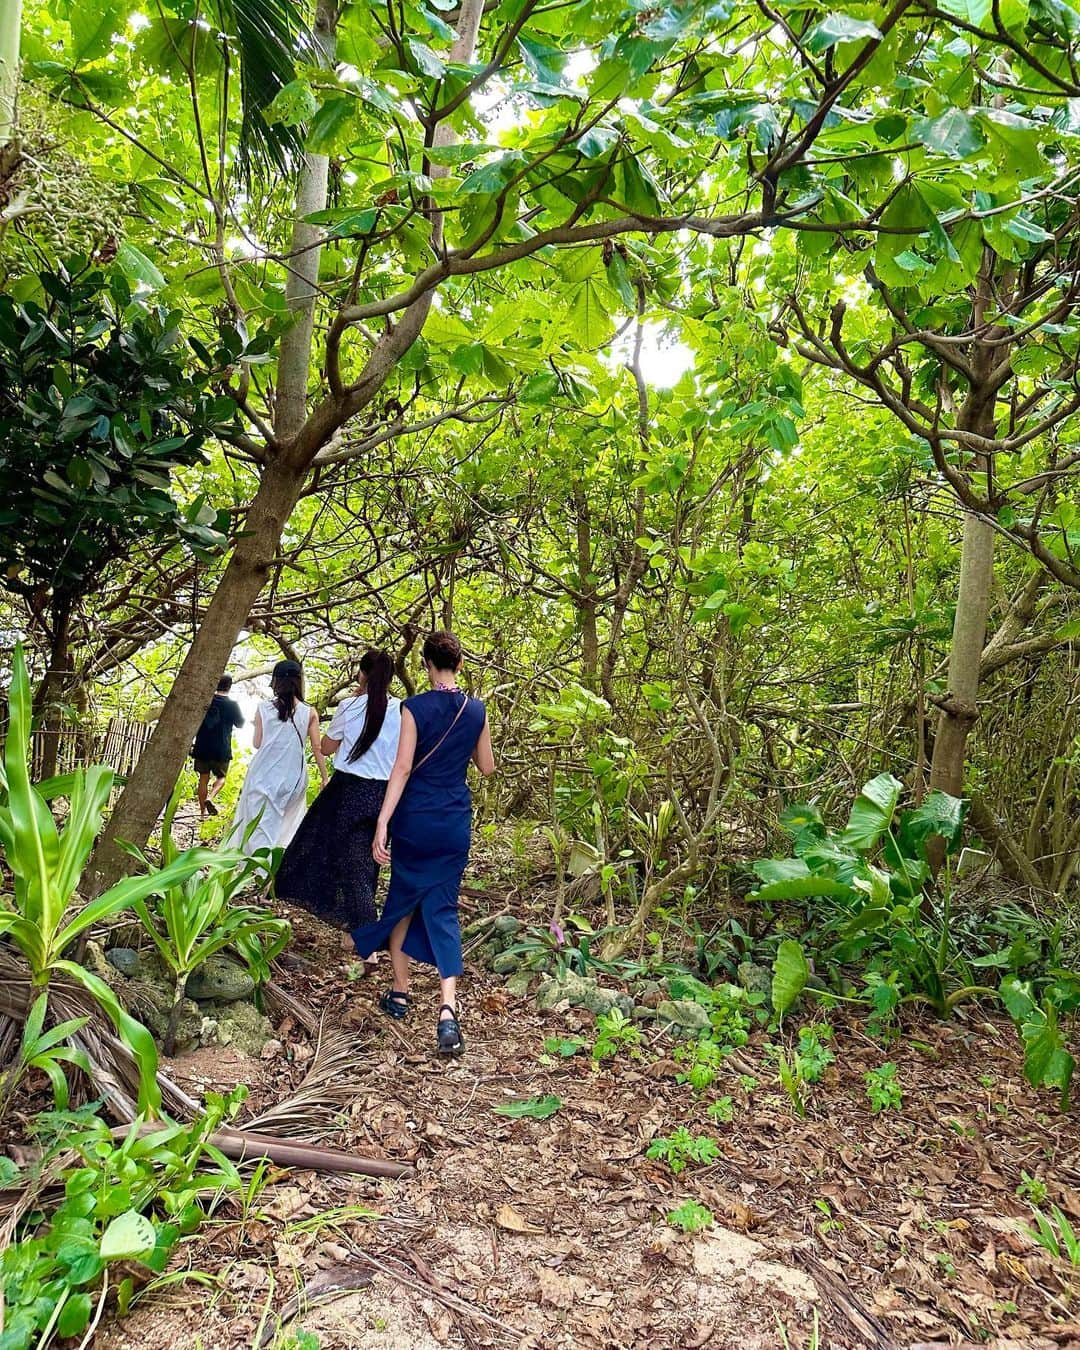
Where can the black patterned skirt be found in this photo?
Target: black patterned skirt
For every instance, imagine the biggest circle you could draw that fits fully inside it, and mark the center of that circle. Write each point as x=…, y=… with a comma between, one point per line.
x=328, y=868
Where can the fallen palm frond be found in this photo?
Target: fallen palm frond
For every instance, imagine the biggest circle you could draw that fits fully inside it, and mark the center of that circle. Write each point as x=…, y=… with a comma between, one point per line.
x=114, y=1074
x=281, y=1002
x=313, y=1110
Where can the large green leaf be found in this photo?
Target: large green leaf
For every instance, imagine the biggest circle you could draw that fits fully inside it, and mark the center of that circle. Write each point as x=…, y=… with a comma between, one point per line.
x=803, y=888
x=30, y=838
x=940, y=815
x=134, y=1035
x=836, y=28
x=1047, y=1059
x=791, y=970
x=872, y=813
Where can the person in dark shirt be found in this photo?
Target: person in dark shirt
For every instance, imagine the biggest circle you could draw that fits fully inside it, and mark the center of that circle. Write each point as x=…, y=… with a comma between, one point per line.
x=212, y=749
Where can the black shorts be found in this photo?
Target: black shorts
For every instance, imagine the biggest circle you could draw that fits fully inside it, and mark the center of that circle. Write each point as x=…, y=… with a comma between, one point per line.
x=218, y=767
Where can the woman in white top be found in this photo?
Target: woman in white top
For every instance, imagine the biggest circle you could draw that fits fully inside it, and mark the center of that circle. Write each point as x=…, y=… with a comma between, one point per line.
x=328, y=869
x=274, y=794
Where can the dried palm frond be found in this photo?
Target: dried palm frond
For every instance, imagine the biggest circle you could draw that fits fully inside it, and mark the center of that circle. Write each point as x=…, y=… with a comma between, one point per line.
x=278, y=1000
x=314, y=1110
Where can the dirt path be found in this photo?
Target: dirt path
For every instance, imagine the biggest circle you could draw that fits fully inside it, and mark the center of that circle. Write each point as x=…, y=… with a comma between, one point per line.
x=896, y=1229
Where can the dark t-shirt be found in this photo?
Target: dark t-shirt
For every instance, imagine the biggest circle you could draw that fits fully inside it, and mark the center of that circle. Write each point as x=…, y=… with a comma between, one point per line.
x=213, y=740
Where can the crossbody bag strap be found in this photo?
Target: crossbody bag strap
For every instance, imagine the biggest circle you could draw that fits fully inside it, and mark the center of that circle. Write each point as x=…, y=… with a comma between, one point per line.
x=443, y=737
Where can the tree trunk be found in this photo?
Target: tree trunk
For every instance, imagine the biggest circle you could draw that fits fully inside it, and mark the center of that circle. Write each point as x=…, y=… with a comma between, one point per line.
x=152, y=779
x=55, y=683
x=960, y=706
x=10, y=22
x=586, y=587
x=638, y=561
x=305, y=254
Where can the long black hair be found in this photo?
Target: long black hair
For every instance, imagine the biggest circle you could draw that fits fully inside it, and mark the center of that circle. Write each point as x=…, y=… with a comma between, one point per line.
x=378, y=666
x=287, y=683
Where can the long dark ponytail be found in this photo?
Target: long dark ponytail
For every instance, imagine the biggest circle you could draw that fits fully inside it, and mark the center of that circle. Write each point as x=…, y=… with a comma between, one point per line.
x=379, y=669
x=287, y=684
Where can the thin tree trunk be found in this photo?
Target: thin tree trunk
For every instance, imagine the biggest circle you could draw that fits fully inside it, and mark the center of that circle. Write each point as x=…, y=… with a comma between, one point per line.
x=159, y=766
x=638, y=558
x=10, y=23
x=302, y=283
x=960, y=706
x=586, y=586
x=49, y=700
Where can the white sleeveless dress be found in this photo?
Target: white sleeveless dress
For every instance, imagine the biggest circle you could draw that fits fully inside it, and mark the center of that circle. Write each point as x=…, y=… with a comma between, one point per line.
x=276, y=782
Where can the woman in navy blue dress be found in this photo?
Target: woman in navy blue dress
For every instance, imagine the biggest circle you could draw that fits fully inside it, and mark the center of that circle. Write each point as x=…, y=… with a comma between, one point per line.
x=424, y=831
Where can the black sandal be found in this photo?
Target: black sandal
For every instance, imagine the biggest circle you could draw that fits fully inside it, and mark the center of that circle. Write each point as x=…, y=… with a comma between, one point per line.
x=448, y=1035
x=395, y=1004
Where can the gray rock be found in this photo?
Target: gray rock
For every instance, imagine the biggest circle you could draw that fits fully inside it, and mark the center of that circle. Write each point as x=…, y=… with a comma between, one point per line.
x=243, y=1026
x=519, y=984
x=506, y=963
x=599, y=1001
x=625, y=1004
x=124, y=959
x=507, y=926
x=684, y=1013
x=219, y=978
x=643, y=1014
x=755, y=979
x=567, y=988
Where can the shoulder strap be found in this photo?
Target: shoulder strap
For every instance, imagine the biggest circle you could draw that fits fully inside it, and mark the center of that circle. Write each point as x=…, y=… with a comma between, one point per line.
x=443, y=737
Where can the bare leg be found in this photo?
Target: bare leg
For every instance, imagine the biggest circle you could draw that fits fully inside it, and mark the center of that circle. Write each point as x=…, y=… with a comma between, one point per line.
x=398, y=960
x=219, y=783
x=449, y=996
x=204, y=779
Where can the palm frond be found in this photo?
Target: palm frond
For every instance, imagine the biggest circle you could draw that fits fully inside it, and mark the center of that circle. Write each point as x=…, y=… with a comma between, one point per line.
x=314, y=1110
x=269, y=36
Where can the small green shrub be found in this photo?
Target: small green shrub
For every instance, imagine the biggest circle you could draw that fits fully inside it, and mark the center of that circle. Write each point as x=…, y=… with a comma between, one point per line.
x=723, y=1110
x=1031, y=1189
x=883, y=1088
x=681, y=1148
x=614, y=1034
x=691, y=1217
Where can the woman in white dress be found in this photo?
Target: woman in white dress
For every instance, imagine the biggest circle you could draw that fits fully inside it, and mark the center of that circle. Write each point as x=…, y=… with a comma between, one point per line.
x=275, y=789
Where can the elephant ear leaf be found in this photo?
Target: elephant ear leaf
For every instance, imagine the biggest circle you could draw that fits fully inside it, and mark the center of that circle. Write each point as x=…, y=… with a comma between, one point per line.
x=940, y=816
x=872, y=812
x=791, y=970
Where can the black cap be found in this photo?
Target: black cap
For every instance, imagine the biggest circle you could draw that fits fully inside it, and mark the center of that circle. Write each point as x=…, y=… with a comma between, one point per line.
x=287, y=668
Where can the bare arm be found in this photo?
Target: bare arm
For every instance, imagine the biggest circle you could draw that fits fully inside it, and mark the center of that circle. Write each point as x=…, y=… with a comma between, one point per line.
x=316, y=745
x=256, y=739
x=483, y=756
x=330, y=746
x=399, y=776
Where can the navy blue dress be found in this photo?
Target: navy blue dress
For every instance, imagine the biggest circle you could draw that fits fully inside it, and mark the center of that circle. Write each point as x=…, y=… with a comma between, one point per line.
x=430, y=833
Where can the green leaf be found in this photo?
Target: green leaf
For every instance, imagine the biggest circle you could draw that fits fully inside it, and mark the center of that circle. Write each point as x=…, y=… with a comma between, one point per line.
x=293, y=105
x=803, y=888
x=130, y=1236
x=534, y=1108
x=836, y=28
x=75, y=1317
x=93, y=26
x=1047, y=1061
x=791, y=970
x=940, y=816
x=955, y=133
x=427, y=61
x=872, y=812
x=138, y=268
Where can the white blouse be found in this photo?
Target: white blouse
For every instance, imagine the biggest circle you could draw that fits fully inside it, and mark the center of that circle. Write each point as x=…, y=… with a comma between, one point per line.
x=347, y=726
